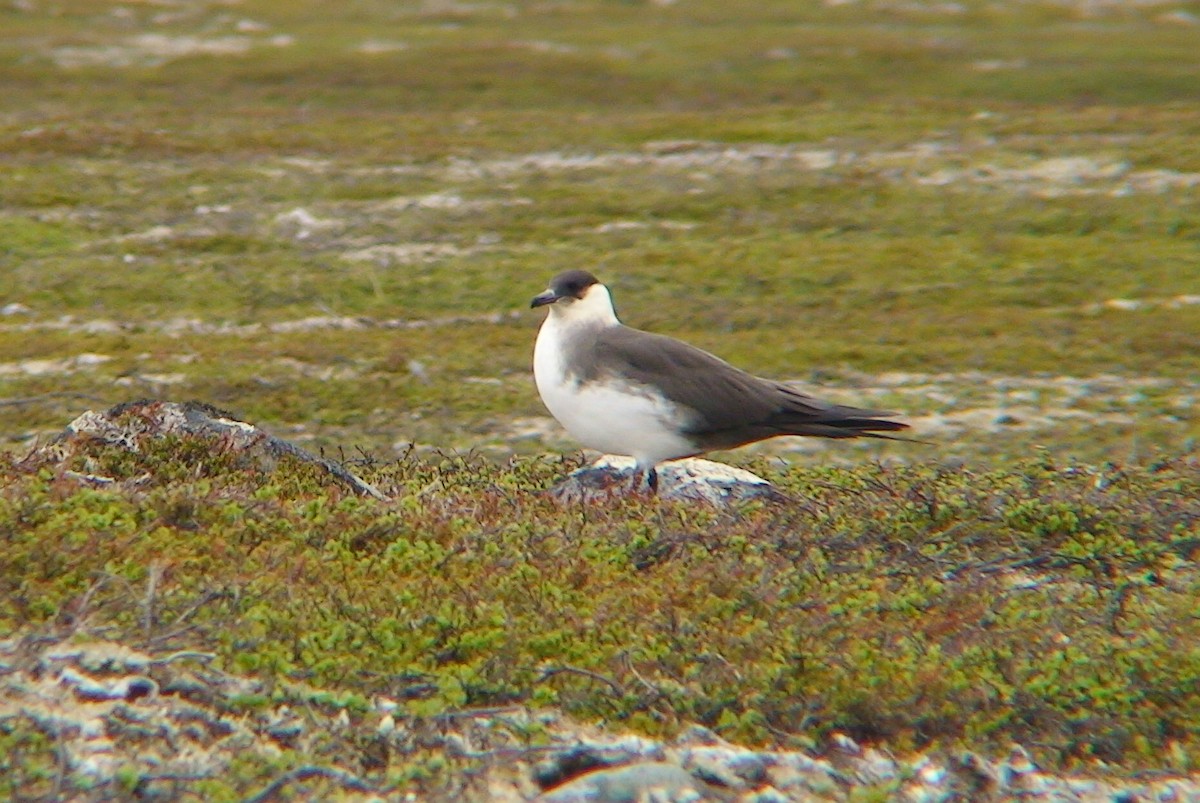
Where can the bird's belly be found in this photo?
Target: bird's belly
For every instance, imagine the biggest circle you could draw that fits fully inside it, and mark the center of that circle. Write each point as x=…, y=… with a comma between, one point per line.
x=615, y=420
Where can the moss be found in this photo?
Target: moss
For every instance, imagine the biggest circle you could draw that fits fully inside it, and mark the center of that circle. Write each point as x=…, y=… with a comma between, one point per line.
x=29, y=763
x=918, y=606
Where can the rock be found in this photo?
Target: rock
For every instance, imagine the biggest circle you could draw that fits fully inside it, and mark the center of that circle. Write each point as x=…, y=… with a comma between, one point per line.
x=691, y=479
x=712, y=759
x=133, y=424
x=805, y=777
x=730, y=767
x=657, y=781
x=768, y=794
x=587, y=755
x=568, y=764
x=302, y=224
x=88, y=689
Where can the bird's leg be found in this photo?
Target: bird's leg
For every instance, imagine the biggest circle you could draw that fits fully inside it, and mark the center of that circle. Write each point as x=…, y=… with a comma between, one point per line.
x=645, y=480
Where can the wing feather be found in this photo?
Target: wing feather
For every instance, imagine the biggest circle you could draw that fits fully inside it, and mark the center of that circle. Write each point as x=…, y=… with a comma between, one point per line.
x=716, y=394
x=724, y=405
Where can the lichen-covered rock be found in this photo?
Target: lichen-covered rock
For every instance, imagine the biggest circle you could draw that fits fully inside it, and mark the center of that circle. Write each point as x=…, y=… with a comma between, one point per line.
x=714, y=760
x=692, y=479
x=132, y=425
x=647, y=782
x=565, y=765
x=729, y=767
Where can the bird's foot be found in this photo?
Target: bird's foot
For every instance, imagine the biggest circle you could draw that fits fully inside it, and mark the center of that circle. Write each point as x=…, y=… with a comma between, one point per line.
x=645, y=482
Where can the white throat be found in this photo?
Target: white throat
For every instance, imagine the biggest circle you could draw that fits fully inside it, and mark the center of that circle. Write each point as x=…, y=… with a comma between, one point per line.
x=568, y=315
x=594, y=309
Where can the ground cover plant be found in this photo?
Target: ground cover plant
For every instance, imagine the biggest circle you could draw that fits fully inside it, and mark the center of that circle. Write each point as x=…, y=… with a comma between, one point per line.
x=331, y=222
x=917, y=607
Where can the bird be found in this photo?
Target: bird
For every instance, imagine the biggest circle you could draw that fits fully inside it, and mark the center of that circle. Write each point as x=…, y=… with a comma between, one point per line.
x=624, y=391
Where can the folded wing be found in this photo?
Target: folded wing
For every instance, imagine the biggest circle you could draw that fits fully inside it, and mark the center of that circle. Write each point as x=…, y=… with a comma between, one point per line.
x=725, y=406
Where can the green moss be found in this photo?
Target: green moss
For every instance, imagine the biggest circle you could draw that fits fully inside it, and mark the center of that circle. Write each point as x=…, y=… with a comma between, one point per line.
x=27, y=759
x=911, y=606
x=24, y=238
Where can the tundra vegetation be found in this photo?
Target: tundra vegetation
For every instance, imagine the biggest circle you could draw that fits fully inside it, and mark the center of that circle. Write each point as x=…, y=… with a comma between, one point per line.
x=330, y=220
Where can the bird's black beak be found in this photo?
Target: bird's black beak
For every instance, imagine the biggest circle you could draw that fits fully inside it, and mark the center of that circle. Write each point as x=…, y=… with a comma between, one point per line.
x=542, y=299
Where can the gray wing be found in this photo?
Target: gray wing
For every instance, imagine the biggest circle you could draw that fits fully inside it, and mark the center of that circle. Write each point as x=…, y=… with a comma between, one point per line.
x=727, y=405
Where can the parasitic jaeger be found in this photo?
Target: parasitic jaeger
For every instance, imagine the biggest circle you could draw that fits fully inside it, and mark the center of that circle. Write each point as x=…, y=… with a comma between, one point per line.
x=623, y=391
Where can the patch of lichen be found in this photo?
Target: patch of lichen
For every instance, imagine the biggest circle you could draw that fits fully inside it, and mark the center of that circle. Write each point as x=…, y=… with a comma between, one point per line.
x=1047, y=604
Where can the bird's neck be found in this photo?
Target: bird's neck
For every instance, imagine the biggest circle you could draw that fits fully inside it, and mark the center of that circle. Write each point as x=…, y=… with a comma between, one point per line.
x=593, y=310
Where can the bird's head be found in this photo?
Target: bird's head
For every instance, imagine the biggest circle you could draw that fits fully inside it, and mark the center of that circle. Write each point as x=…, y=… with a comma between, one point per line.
x=577, y=296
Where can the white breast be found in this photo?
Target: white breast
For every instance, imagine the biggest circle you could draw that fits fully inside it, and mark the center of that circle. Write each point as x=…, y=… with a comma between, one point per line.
x=609, y=417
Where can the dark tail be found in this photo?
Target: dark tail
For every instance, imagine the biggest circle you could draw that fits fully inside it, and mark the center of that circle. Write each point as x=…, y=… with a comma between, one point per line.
x=808, y=416
x=847, y=422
